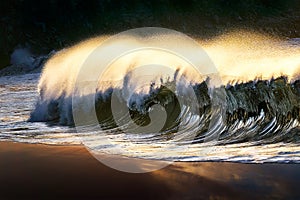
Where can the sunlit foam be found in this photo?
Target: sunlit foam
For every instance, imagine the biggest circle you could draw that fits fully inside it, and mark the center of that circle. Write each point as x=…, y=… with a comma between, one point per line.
x=238, y=56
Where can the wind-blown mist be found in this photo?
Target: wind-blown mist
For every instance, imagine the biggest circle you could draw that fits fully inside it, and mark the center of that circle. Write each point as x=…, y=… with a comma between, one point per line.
x=245, y=56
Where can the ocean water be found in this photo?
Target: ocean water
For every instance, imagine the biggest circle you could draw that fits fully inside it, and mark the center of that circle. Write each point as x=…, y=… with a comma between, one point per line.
x=250, y=119
x=18, y=98
x=19, y=95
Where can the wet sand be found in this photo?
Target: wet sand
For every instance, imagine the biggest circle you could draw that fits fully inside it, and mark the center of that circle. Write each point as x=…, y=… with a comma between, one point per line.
x=30, y=171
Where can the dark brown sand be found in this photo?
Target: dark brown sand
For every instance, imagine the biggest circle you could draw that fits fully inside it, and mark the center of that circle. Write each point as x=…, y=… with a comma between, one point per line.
x=69, y=172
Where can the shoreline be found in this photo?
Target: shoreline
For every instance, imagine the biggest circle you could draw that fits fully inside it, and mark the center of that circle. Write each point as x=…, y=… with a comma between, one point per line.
x=37, y=171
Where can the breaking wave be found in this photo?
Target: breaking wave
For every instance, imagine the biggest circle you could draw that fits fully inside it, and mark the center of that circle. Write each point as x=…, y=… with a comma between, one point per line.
x=258, y=100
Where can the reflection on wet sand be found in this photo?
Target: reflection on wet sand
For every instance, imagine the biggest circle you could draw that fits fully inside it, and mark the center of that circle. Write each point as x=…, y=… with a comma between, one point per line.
x=216, y=180
x=36, y=171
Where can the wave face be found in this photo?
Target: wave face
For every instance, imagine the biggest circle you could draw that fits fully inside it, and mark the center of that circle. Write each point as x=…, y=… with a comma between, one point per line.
x=243, y=112
x=265, y=111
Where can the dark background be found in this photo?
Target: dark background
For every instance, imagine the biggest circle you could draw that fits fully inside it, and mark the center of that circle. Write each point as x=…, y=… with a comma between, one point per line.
x=45, y=25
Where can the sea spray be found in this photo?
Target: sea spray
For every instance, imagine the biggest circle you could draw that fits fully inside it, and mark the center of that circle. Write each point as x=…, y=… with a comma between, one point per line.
x=259, y=96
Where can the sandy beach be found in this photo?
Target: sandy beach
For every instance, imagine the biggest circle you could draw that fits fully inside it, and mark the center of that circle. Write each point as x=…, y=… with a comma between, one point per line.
x=34, y=171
